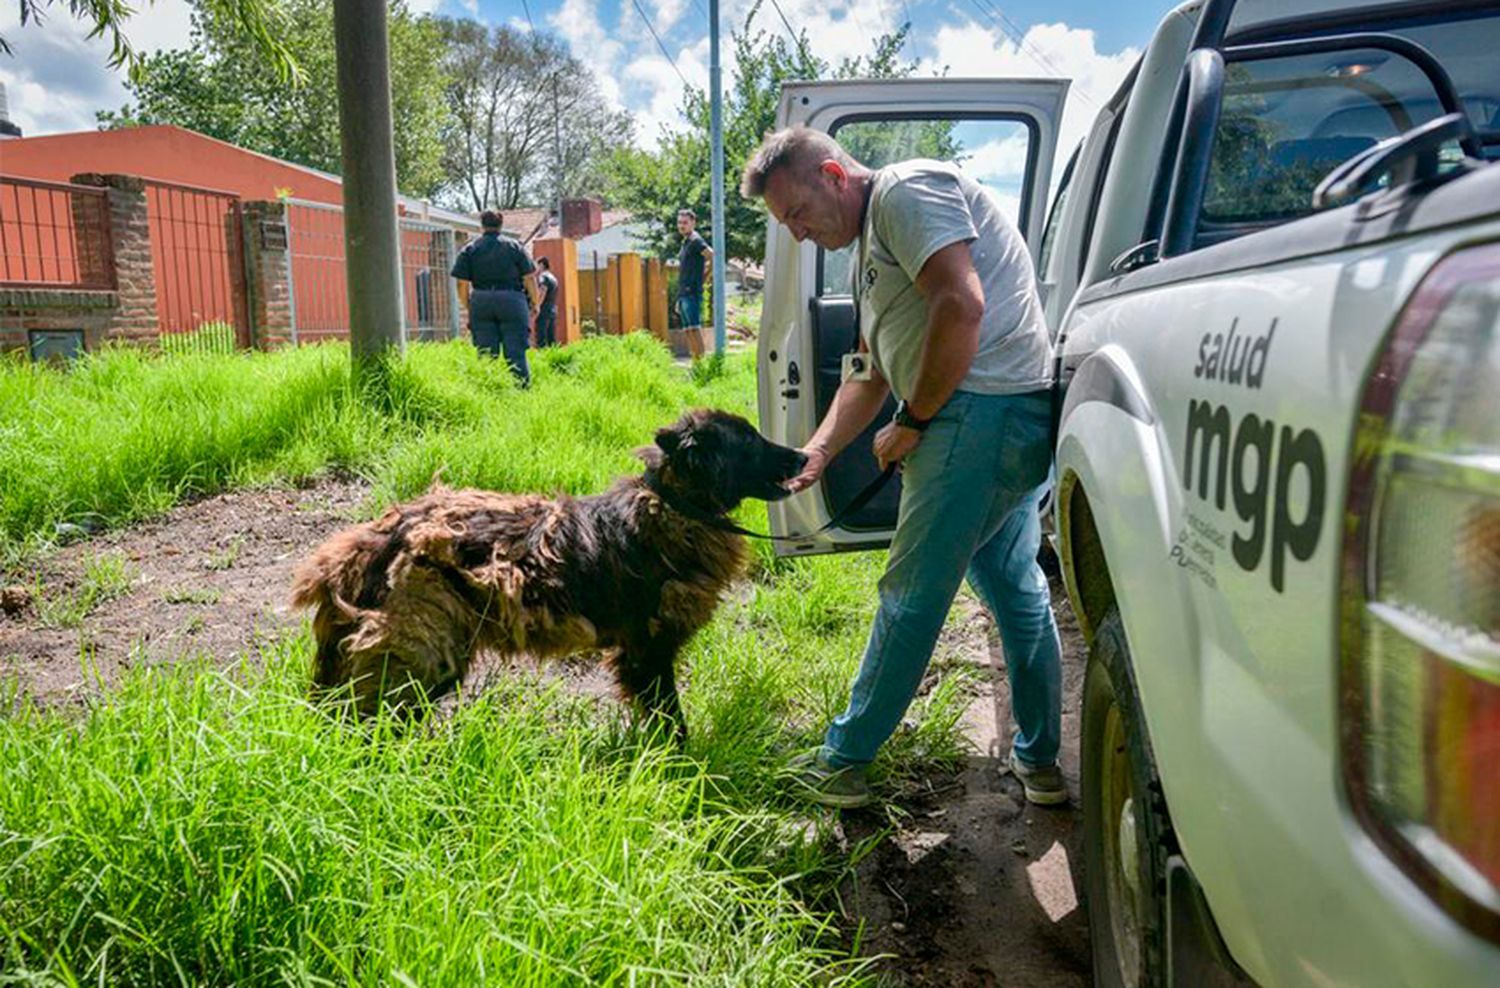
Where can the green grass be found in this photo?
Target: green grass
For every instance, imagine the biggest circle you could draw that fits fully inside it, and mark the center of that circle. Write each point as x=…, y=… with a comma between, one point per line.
x=123, y=435
x=105, y=577
x=209, y=337
x=192, y=595
x=199, y=826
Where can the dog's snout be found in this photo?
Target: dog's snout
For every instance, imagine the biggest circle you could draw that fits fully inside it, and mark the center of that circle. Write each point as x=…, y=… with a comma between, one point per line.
x=799, y=460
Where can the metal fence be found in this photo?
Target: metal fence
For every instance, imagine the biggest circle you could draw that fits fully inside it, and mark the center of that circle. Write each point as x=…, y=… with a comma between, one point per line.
x=197, y=257
x=429, y=295
x=54, y=235
x=318, y=280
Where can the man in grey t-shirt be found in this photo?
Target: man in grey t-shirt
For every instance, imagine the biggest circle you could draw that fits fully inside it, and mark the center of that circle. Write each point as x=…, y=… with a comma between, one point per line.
x=950, y=314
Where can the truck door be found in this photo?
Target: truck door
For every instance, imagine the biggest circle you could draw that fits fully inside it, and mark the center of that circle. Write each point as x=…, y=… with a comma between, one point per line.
x=1002, y=133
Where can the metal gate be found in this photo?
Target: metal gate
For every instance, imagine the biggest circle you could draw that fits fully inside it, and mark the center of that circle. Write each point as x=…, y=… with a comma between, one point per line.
x=318, y=277
x=198, y=260
x=429, y=303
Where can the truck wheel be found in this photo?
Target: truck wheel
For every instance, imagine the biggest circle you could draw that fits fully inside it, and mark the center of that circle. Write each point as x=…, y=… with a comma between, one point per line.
x=1127, y=835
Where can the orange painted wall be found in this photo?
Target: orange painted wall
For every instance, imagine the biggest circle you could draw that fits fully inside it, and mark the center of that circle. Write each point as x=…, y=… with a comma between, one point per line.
x=563, y=256
x=166, y=153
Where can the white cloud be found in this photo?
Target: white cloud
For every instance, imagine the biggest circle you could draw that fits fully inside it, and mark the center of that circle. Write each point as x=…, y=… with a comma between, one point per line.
x=577, y=21
x=1049, y=50
x=666, y=13
x=659, y=90
x=59, y=78
x=999, y=160
x=835, y=31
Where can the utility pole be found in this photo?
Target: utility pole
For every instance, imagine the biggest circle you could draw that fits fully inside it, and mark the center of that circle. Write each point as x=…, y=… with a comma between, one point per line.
x=371, y=246
x=716, y=138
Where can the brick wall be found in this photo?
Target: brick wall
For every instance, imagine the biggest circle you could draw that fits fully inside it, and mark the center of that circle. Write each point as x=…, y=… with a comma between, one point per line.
x=266, y=262
x=126, y=314
x=134, y=319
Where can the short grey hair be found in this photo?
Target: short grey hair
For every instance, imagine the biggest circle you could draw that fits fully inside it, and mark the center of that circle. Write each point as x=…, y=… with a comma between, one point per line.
x=798, y=149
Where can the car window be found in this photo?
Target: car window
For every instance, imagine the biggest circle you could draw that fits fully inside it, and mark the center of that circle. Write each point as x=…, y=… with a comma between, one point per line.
x=1101, y=172
x=1287, y=122
x=994, y=151
x=1054, y=218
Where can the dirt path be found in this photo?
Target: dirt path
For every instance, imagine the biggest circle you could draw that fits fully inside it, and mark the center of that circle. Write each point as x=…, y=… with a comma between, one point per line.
x=972, y=886
x=209, y=577
x=967, y=886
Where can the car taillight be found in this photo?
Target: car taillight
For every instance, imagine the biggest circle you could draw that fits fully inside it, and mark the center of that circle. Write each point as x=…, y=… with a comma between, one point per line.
x=1420, y=631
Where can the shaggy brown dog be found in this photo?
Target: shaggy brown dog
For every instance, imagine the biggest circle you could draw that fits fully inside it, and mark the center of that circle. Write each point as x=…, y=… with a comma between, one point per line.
x=405, y=602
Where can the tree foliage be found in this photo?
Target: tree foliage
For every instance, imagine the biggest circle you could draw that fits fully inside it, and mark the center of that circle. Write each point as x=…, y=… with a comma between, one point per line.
x=525, y=120
x=215, y=87
x=653, y=185
x=257, y=21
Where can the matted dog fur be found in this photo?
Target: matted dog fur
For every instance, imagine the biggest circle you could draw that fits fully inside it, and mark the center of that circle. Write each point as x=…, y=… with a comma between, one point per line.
x=405, y=603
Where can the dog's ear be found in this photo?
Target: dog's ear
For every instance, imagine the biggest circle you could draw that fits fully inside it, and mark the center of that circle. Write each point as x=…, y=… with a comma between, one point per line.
x=673, y=438
x=651, y=456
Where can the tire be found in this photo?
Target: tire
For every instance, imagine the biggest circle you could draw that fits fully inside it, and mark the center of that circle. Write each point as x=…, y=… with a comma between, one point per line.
x=1127, y=834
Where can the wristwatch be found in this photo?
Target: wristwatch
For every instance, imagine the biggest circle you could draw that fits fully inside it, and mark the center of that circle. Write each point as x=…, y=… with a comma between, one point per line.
x=907, y=420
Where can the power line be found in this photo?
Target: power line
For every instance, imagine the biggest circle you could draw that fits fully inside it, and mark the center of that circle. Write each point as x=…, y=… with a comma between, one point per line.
x=1021, y=39
x=849, y=9
x=1037, y=55
x=1010, y=30
x=796, y=38
x=647, y=21
x=527, y=7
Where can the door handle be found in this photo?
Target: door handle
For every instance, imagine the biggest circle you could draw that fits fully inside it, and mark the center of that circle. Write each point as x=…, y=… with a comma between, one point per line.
x=793, y=380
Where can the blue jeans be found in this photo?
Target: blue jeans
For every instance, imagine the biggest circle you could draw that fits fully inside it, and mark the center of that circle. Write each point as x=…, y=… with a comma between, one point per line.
x=546, y=326
x=969, y=499
x=690, y=310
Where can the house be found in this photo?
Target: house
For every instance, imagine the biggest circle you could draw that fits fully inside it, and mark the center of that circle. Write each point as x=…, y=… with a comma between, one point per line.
x=167, y=153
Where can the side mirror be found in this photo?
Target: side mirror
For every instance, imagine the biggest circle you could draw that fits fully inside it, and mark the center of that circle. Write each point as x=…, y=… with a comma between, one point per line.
x=1136, y=257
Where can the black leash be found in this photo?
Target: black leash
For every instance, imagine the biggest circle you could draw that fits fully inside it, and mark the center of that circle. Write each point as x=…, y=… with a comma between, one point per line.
x=723, y=524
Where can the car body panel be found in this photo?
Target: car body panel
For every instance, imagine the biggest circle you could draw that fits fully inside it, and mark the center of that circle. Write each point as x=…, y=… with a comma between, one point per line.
x=1242, y=711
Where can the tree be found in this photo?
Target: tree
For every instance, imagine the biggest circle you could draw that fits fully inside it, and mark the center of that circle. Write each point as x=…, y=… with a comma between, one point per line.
x=654, y=185
x=526, y=118
x=257, y=21
x=215, y=87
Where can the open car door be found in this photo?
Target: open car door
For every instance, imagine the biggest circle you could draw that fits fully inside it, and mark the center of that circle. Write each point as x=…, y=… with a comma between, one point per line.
x=1002, y=133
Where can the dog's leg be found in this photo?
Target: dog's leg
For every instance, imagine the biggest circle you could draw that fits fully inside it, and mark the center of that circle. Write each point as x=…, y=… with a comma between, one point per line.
x=328, y=662
x=646, y=674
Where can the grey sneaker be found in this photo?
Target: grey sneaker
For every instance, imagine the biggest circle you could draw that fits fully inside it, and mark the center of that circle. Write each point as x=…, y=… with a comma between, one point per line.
x=1043, y=783
x=812, y=778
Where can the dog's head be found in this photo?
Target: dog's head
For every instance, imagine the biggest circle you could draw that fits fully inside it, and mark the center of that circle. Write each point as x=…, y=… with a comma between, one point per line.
x=716, y=460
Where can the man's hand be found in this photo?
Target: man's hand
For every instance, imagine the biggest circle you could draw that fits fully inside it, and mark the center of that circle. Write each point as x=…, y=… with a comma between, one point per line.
x=817, y=459
x=894, y=442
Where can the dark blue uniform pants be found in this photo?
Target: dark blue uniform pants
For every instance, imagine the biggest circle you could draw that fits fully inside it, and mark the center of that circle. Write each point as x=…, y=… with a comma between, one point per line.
x=500, y=322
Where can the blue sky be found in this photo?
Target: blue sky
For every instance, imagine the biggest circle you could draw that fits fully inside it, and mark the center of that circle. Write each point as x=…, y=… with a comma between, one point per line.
x=58, y=79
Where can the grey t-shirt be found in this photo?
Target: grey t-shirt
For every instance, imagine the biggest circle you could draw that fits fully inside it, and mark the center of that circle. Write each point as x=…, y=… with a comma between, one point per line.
x=917, y=208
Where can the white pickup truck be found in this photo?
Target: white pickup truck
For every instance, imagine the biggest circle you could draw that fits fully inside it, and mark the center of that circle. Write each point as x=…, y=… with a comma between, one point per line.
x=1273, y=271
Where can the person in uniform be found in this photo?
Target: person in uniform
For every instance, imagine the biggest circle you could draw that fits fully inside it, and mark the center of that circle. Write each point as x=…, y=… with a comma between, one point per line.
x=500, y=273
